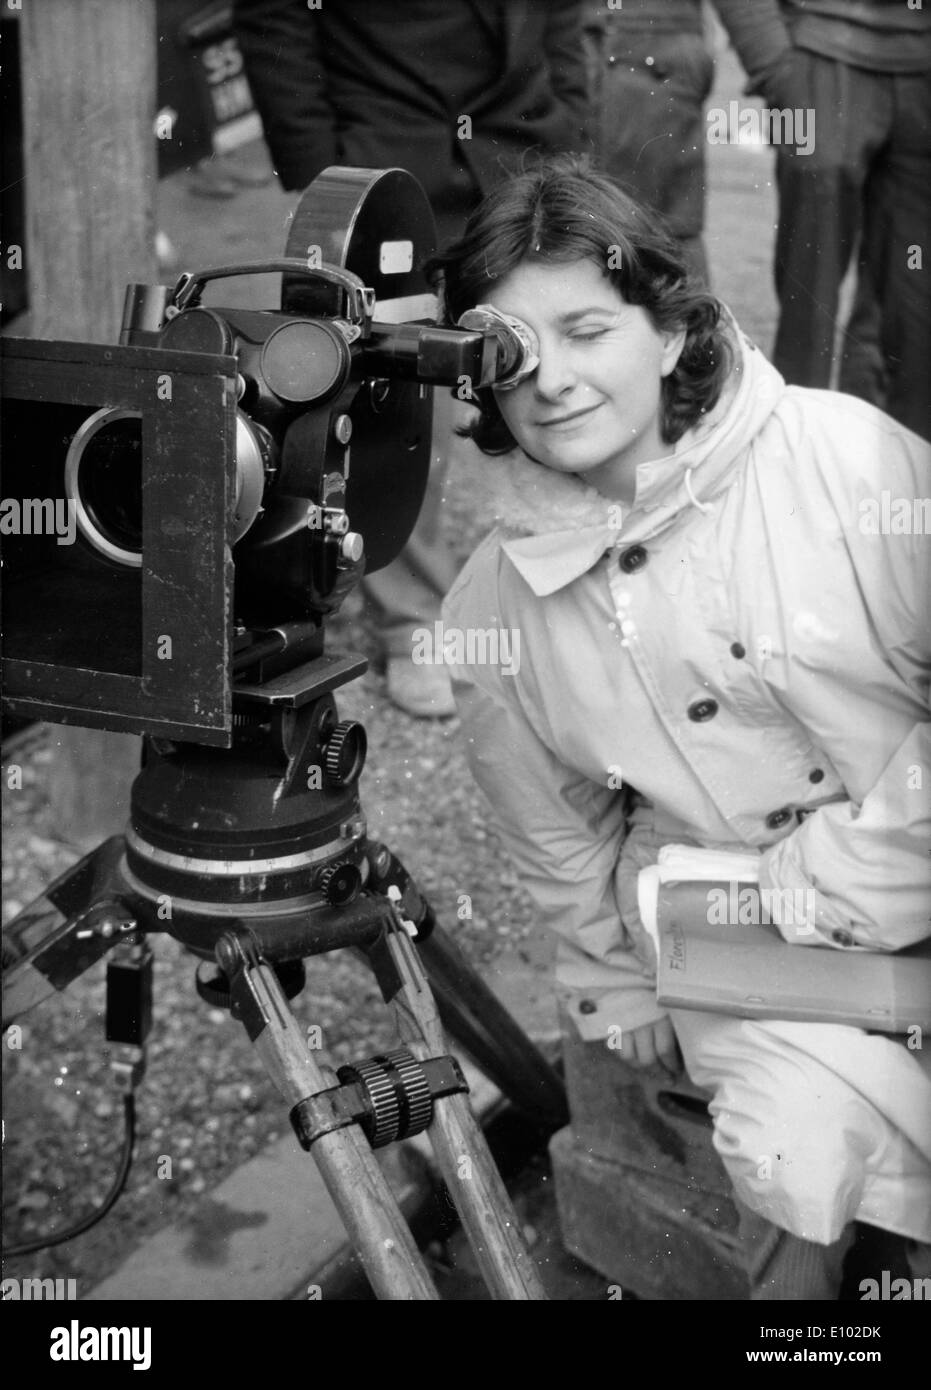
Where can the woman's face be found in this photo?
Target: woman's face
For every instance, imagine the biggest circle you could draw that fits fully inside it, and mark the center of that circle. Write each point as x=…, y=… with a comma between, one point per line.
x=592, y=407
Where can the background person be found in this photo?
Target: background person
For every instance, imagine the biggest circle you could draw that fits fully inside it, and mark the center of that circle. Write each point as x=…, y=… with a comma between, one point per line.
x=680, y=549
x=372, y=85
x=862, y=66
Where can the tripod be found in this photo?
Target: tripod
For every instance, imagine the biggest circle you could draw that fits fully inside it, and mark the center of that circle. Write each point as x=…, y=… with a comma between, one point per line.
x=255, y=858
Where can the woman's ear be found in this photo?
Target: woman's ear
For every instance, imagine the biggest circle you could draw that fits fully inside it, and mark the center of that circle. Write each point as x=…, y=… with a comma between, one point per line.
x=672, y=350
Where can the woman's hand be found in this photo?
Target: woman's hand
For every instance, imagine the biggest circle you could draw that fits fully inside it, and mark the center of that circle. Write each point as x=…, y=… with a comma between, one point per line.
x=653, y=1044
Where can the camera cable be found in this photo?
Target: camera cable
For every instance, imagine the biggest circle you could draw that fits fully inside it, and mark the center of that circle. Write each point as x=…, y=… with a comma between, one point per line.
x=126, y=1158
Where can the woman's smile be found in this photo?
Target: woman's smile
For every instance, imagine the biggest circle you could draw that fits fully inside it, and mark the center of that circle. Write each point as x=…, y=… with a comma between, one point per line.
x=562, y=422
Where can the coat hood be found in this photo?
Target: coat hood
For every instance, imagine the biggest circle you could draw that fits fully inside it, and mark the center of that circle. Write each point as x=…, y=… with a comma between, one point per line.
x=555, y=526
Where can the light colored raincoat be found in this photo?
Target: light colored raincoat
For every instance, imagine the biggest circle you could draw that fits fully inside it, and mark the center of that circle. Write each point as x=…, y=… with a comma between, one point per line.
x=747, y=646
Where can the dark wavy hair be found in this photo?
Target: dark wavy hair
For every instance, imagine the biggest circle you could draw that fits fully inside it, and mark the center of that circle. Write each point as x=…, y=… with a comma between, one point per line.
x=560, y=211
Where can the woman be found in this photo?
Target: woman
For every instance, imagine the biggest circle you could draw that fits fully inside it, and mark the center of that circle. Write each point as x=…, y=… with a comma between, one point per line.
x=719, y=648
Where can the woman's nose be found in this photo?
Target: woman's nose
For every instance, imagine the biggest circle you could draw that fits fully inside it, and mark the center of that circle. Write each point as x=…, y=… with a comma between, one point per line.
x=555, y=375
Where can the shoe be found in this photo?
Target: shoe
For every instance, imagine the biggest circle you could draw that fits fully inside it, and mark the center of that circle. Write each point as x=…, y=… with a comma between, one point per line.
x=426, y=692
x=209, y=179
x=248, y=176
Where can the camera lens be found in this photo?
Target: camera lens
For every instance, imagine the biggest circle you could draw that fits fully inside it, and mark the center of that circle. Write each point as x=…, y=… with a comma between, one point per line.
x=103, y=477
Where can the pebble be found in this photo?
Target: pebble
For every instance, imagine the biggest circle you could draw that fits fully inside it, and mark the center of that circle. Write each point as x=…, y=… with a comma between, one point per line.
x=34, y=1201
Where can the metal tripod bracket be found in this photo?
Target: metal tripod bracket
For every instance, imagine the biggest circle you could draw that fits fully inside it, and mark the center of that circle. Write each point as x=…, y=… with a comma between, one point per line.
x=390, y=1096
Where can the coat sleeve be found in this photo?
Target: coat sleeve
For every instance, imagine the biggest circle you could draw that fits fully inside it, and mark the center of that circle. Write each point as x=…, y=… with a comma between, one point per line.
x=760, y=35
x=281, y=49
x=564, y=834
x=864, y=702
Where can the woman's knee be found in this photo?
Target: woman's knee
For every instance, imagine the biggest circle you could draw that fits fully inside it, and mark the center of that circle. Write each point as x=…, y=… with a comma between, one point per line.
x=795, y=1159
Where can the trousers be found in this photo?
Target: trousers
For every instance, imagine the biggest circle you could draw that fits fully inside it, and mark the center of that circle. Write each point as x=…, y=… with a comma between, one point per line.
x=647, y=90
x=818, y=1125
x=866, y=182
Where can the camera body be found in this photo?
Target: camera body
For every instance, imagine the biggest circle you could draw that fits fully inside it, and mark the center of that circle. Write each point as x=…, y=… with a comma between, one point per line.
x=188, y=507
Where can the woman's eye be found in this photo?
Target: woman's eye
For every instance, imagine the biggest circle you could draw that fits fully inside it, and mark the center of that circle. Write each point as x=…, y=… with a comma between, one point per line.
x=588, y=336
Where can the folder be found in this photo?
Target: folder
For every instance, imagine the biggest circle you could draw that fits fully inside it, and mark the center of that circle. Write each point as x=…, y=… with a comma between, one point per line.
x=750, y=971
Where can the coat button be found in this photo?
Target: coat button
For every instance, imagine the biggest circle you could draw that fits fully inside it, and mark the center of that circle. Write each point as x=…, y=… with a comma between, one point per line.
x=842, y=938
x=816, y=775
x=738, y=650
x=587, y=1006
x=633, y=559
x=700, y=710
x=776, y=819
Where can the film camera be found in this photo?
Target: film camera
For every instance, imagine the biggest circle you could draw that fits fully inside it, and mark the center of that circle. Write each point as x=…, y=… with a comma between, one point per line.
x=230, y=474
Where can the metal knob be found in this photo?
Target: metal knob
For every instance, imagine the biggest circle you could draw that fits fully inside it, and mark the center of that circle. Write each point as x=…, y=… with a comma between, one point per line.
x=340, y=884
x=344, y=756
x=352, y=547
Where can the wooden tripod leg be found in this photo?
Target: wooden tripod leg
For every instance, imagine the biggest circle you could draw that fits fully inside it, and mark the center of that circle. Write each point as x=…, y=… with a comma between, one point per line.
x=347, y=1165
x=462, y=1154
x=482, y=1201
x=479, y=1022
x=470, y=1011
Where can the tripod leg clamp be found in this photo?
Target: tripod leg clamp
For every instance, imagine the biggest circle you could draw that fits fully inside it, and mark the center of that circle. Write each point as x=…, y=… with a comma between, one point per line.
x=390, y=1096
x=321, y=1114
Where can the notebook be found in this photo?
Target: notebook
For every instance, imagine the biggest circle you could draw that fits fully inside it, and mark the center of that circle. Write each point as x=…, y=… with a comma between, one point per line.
x=751, y=972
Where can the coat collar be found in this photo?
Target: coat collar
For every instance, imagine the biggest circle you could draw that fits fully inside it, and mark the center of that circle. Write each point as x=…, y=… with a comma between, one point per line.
x=555, y=527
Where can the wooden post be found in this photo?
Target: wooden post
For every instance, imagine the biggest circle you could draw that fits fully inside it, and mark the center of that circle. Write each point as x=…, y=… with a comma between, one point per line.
x=88, y=109
x=89, y=100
